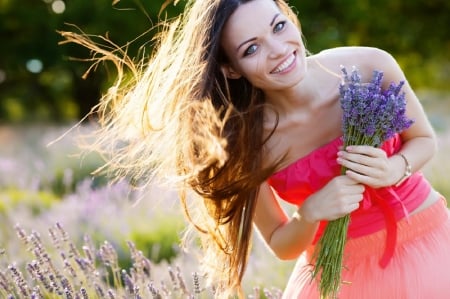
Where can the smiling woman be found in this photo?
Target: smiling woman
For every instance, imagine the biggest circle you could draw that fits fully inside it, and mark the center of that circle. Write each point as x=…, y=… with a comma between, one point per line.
x=268, y=51
x=232, y=110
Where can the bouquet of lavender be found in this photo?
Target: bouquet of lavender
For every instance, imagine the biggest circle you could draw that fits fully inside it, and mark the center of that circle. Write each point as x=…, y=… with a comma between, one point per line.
x=371, y=115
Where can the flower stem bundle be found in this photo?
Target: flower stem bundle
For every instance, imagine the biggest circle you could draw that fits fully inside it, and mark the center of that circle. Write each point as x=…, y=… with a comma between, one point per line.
x=371, y=116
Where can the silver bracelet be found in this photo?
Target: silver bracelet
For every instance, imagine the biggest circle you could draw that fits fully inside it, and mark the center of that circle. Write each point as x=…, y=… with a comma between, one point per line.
x=408, y=170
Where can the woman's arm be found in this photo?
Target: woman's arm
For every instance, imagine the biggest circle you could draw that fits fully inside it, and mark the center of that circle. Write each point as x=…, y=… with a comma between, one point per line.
x=287, y=236
x=419, y=141
x=371, y=166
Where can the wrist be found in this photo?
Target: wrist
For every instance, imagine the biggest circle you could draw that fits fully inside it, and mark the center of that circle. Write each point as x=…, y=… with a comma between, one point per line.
x=407, y=170
x=303, y=215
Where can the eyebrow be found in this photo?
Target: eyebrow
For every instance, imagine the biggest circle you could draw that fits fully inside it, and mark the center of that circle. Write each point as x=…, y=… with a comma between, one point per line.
x=274, y=18
x=254, y=38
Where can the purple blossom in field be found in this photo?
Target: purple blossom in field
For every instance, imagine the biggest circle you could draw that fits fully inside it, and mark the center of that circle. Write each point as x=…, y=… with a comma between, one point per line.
x=371, y=115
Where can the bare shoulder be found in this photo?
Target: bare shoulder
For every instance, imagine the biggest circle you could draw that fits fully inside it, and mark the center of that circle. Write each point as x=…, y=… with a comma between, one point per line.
x=366, y=59
x=354, y=54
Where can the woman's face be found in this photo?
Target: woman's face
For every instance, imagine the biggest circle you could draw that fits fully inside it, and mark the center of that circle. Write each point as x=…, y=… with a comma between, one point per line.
x=263, y=46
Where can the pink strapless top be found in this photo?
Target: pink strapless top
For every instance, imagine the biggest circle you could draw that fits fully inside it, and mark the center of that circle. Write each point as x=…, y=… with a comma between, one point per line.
x=310, y=173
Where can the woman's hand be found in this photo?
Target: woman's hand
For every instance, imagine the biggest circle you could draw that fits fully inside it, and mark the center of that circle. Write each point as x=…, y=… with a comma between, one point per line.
x=371, y=166
x=339, y=197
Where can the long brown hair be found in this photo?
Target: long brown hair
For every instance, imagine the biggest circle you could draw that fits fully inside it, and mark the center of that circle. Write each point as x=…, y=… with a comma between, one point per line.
x=178, y=118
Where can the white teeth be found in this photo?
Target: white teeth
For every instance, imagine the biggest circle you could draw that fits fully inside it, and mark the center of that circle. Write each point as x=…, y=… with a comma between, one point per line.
x=285, y=64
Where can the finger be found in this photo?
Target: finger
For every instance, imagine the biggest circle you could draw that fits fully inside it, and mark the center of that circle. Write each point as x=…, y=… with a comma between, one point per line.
x=348, y=181
x=355, y=194
x=358, y=176
x=373, y=181
x=361, y=166
x=365, y=150
x=353, y=207
x=348, y=208
x=360, y=158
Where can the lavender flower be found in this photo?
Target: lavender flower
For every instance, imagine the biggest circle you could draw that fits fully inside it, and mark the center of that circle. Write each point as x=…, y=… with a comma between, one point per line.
x=88, y=275
x=371, y=116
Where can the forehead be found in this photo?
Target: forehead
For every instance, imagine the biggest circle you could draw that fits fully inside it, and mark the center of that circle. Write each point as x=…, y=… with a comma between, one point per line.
x=249, y=19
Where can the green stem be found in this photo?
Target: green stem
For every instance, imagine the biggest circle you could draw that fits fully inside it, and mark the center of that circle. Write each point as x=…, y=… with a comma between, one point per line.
x=329, y=257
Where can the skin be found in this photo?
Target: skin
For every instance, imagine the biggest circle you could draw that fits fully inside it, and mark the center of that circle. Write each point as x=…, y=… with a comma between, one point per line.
x=260, y=43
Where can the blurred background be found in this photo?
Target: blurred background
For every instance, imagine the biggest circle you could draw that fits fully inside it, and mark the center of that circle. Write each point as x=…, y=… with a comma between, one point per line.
x=43, y=94
x=40, y=82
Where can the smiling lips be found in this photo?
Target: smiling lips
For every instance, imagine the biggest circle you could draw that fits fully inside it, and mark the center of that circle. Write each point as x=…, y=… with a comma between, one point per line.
x=285, y=65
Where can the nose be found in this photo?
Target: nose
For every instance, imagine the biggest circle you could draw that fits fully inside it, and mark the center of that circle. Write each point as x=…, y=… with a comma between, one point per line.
x=277, y=48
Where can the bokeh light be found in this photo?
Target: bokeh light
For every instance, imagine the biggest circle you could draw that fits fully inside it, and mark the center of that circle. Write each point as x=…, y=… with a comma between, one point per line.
x=2, y=76
x=58, y=6
x=34, y=66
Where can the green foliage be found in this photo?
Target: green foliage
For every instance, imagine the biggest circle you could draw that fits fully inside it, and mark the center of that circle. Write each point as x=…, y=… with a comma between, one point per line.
x=159, y=242
x=415, y=32
x=35, y=202
x=51, y=88
x=67, y=176
x=442, y=186
x=55, y=90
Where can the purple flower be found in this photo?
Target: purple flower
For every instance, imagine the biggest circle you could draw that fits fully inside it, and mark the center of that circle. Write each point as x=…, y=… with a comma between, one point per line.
x=371, y=115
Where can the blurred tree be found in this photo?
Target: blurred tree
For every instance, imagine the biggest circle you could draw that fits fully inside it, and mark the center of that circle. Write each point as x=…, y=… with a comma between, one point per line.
x=39, y=81
x=414, y=31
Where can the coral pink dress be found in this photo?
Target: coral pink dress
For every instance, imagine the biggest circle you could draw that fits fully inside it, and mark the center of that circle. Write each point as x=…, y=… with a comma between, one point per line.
x=389, y=253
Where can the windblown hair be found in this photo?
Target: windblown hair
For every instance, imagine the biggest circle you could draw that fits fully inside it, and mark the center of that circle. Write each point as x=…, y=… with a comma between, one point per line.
x=177, y=117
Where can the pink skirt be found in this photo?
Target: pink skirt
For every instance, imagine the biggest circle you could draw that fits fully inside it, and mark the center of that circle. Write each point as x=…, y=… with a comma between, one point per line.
x=420, y=268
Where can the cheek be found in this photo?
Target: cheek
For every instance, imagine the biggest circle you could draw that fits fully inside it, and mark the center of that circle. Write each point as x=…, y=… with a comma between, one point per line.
x=255, y=66
x=253, y=71
x=294, y=34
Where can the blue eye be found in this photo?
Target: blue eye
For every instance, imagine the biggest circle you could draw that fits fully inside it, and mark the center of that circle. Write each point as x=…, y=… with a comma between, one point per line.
x=279, y=26
x=250, y=50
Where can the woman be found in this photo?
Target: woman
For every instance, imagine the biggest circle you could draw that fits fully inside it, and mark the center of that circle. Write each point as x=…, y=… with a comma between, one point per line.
x=231, y=106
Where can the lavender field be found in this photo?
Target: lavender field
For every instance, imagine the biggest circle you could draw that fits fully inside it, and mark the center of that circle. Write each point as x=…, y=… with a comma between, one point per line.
x=66, y=234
